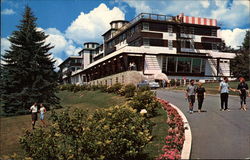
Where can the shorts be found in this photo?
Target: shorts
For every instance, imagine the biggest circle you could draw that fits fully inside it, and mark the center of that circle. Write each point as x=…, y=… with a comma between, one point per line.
x=41, y=116
x=191, y=99
x=34, y=116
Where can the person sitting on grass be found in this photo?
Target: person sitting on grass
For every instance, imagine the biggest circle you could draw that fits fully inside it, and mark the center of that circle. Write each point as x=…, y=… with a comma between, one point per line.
x=42, y=112
x=33, y=110
x=190, y=95
x=243, y=90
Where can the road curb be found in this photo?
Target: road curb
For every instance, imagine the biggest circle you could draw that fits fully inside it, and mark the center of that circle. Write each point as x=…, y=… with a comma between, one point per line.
x=187, y=146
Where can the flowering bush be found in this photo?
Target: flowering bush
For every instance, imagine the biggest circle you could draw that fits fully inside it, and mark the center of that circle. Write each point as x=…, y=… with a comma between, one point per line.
x=118, y=132
x=127, y=90
x=175, y=139
x=145, y=100
x=114, y=88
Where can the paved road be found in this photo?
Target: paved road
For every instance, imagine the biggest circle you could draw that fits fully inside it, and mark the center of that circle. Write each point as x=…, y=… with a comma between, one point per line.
x=216, y=134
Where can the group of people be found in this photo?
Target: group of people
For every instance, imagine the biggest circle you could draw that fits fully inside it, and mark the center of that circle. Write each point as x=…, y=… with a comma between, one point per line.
x=199, y=91
x=34, y=114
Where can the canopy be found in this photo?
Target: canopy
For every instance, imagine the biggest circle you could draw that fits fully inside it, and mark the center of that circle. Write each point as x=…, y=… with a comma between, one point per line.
x=161, y=76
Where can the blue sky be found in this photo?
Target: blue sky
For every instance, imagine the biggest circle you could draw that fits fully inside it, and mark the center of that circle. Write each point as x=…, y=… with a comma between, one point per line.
x=70, y=23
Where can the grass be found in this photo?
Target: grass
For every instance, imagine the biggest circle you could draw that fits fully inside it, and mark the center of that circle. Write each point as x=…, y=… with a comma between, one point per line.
x=153, y=149
x=212, y=88
x=13, y=127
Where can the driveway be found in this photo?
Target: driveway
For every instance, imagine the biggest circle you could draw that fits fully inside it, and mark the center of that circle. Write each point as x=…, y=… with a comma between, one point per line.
x=216, y=134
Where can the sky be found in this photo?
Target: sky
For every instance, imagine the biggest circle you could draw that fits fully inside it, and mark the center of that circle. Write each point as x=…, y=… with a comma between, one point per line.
x=70, y=23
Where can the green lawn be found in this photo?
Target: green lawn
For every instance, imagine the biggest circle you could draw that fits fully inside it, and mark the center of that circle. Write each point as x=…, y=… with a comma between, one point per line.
x=12, y=127
x=212, y=88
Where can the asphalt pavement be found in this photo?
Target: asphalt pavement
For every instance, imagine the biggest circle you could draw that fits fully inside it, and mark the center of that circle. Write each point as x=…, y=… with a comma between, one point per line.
x=216, y=134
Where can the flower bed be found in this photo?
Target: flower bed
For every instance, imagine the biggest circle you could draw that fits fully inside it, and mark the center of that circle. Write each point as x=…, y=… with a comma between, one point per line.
x=175, y=138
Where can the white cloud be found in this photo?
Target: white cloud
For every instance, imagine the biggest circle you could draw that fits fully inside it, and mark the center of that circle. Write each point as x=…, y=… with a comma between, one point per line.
x=7, y=12
x=90, y=26
x=5, y=45
x=233, y=38
x=230, y=14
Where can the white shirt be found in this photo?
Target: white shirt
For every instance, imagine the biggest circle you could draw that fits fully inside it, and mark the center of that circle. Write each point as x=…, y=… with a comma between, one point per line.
x=42, y=110
x=33, y=109
x=224, y=87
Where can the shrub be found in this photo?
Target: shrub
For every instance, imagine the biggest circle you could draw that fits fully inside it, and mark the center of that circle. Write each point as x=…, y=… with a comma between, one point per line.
x=143, y=88
x=114, y=88
x=145, y=100
x=115, y=133
x=103, y=88
x=127, y=90
x=172, y=82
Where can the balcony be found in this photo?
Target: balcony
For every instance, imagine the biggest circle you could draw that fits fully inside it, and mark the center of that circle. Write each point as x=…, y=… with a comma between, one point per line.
x=150, y=16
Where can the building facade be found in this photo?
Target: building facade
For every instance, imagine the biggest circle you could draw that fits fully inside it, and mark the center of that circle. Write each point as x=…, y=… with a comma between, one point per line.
x=180, y=47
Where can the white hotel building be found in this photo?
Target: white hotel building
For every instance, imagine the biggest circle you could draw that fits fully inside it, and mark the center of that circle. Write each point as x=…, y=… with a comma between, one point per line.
x=172, y=47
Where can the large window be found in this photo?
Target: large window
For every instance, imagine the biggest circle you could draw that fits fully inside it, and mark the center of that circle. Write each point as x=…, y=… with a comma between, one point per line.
x=196, y=65
x=171, y=65
x=170, y=44
x=184, y=64
x=145, y=26
x=170, y=28
x=146, y=42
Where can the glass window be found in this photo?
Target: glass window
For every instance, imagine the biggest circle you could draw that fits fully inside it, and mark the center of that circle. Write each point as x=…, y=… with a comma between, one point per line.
x=170, y=28
x=145, y=26
x=146, y=42
x=183, y=44
x=196, y=65
x=203, y=66
x=184, y=65
x=214, y=46
x=164, y=64
x=170, y=44
x=132, y=31
x=214, y=32
x=191, y=30
x=191, y=44
x=171, y=65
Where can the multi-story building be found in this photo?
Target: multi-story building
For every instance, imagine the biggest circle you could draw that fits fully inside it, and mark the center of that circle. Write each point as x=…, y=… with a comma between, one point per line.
x=178, y=47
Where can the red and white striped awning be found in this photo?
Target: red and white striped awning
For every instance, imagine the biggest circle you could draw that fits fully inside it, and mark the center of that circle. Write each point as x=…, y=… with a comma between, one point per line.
x=197, y=20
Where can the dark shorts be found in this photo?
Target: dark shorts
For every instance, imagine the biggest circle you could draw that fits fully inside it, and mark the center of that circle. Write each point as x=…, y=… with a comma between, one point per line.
x=191, y=99
x=34, y=116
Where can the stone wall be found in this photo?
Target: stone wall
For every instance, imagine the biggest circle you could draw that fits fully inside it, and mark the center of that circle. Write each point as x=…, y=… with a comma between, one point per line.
x=127, y=77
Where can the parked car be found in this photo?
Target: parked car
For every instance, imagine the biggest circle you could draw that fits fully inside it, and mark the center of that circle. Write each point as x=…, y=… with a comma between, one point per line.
x=151, y=84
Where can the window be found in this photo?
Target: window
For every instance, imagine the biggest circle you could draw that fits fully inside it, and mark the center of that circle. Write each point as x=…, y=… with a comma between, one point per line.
x=146, y=42
x=214, y=46
x=182, y=29
x=116, y=80
x=132, y=31
x=183, y=43
x=191, y=44
x=196, y=65
x=170, y=44
x=214, y=33
x=171, y=64
x=164, y=64
x=191, y=30
x=184, y=65
x=170, y=28
x=145, y=26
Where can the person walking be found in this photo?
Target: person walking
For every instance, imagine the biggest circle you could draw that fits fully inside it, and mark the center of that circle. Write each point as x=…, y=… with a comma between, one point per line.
x=33, y=110
x=243, y=90
x=42, y=112
x=201, y=93
x=224, y=90
x=190, y=95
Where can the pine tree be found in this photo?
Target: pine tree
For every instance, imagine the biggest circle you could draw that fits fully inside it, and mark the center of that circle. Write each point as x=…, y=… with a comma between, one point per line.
x=240, y=66
x=28, y=74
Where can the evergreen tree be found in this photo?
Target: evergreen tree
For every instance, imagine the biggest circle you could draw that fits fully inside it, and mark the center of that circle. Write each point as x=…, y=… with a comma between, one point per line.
x=28, y=74
x=240, y=66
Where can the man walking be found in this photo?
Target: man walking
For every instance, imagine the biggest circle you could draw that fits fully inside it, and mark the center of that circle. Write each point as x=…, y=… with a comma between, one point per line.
x=190, y=95
x=224, y=90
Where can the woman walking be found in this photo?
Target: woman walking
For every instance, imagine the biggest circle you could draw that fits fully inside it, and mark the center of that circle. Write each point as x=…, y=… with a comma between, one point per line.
x=33, y=110
x=201, y=93
x=224, y=90
x=243, y=90
x=42, y=112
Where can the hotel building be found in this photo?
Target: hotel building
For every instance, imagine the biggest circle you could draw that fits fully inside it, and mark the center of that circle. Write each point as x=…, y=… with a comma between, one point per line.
x=154, y=47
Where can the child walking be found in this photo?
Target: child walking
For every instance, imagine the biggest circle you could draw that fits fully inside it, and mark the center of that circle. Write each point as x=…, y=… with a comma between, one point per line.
x=42, y=112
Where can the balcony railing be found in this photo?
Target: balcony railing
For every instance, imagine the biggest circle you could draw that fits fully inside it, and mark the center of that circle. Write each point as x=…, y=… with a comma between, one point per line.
x=144, y=16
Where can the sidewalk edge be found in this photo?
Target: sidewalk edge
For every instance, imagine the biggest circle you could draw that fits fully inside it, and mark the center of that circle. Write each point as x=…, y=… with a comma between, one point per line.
x=186, y=150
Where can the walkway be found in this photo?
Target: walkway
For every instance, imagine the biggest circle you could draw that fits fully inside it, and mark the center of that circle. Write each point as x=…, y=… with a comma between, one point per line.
x=216, y=134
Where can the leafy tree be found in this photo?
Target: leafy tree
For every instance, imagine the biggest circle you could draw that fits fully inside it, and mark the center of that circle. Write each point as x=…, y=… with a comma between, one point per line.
x=240, y=66
x=27, y=74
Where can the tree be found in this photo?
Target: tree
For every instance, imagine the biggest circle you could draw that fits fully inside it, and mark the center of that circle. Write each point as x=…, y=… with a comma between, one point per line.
x=28, y=74
x=240, y=66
